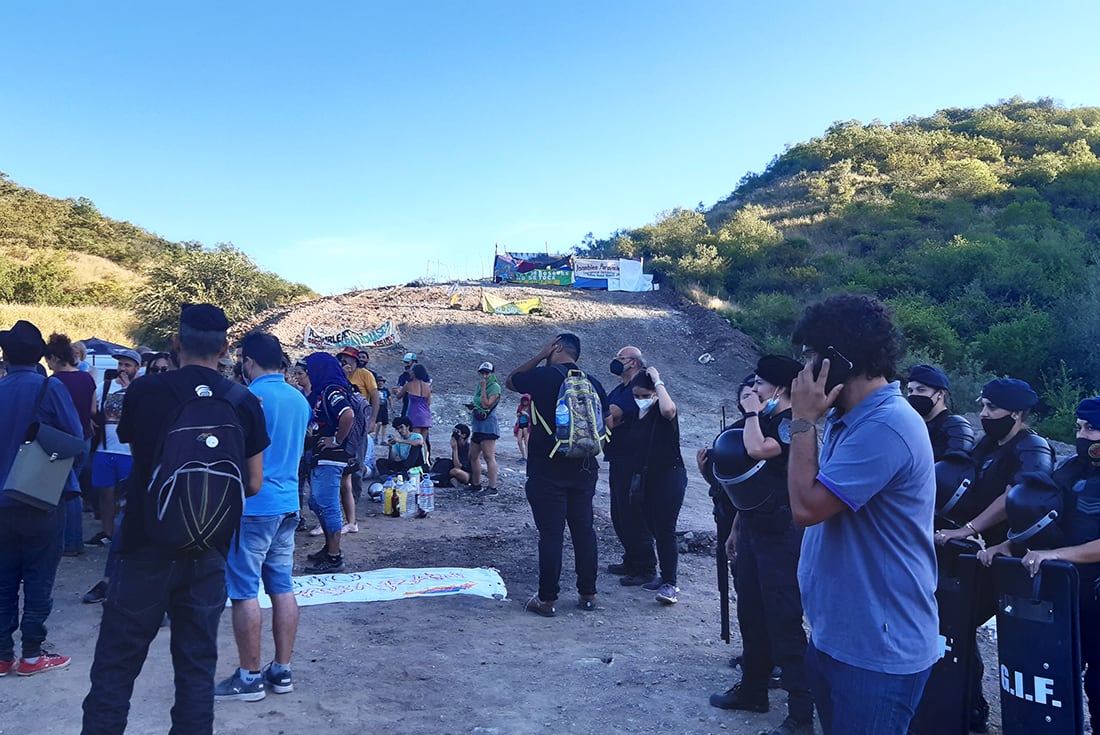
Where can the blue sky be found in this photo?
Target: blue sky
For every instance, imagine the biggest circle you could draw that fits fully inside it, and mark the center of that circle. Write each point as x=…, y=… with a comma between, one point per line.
x=360, y=144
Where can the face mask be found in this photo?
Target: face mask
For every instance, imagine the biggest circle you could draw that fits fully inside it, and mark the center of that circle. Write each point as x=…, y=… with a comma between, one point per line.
x=997, y=429
x=1089, y=449
x=644, y=404
x=617, y=367
x=921, y=404
x=770, y=405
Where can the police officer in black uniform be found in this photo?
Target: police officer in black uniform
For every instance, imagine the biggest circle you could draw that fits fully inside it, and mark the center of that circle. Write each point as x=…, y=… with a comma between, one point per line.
x=927, y=394
x=768, y=544
x=1008, y=450
x=1079, y=480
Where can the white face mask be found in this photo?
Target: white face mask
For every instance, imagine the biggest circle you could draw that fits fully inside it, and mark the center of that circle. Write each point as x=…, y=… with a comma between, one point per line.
x=644, y=404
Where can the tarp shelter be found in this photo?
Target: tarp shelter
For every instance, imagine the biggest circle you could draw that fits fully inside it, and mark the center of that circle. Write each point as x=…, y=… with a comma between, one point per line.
x=533, y=268
x=496, y=305
x=98, y=346
x=612, y=274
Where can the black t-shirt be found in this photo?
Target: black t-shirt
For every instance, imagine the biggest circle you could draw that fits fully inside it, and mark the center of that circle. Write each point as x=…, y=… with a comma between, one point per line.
x=543, y=384
x=146, y=409
x=623, y=397
x=332, y=402
x=653, y=438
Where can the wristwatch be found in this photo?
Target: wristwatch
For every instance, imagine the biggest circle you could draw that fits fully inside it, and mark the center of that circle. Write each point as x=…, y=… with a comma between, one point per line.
x=799, y=426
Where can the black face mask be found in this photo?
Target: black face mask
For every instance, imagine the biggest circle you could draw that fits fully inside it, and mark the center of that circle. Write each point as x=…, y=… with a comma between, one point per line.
x=1089, y=450
x=921, y=404
x=617, y=367
x=997, y=429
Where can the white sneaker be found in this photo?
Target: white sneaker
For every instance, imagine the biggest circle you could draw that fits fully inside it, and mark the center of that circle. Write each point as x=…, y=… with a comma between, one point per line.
x=316, y=531
x=350, y=528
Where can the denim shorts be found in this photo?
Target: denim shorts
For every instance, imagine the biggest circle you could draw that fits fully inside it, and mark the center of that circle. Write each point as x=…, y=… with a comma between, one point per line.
x=266, y=550
x=110, y=469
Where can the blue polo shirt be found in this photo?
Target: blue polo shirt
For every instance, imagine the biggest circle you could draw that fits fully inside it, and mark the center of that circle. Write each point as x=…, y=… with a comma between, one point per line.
x=287, y=415
x=868, y=573
x=18, y=392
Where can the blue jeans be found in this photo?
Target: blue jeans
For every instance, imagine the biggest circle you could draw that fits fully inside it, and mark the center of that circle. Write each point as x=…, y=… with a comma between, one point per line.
x=324, y=496
x=264, y=550
x=30, y=548
x=555, y=503
x=855, y=701
x=191, y=589
x=73, y=540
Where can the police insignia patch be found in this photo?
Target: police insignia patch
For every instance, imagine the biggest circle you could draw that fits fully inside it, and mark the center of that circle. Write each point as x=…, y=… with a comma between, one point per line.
x=785, y=431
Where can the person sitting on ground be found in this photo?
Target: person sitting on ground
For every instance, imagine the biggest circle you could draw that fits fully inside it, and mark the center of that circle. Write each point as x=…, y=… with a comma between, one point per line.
x=459, y=473
x=406, y=450
x=486, y=430
x=522, y=428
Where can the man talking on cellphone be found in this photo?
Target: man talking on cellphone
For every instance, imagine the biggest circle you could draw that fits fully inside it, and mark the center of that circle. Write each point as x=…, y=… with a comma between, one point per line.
x=866, y=498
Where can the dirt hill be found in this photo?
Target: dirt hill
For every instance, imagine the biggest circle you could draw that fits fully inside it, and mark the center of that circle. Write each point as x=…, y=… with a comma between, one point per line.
x=452, y=341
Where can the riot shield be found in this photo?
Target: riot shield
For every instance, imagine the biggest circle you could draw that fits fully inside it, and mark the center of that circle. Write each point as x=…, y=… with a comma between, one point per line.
x=943, y=709
x=1039, y=646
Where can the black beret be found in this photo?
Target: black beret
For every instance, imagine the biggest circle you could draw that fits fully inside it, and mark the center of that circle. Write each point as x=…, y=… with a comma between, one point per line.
x=1089, y=410
x=1010, y=394
x=778, y=370
x=928, y=375
x=204, y=317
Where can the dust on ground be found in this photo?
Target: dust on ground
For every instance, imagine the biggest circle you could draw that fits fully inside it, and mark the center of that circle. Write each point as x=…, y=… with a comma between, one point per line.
x=464, y=664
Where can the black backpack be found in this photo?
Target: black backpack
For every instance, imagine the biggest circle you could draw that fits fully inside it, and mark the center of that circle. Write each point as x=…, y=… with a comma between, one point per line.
x=195, y=499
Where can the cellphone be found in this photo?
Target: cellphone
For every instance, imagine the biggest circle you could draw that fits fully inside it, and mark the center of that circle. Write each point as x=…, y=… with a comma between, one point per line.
x=840, y=367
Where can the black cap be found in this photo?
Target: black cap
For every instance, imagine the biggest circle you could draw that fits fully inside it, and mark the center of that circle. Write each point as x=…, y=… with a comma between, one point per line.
x=204, y=317
x=23, y=343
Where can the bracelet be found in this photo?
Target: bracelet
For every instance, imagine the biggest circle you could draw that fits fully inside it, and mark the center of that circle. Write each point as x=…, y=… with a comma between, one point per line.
x=971, y=527
x=658, y=384
x=751, y=414
x=799, y=426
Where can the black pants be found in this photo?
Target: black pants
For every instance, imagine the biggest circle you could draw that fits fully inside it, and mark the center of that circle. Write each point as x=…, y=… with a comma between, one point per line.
x=191, y=590
x=630, y=523
x=1090, y=646
x=664, y=495
x=30, y=548
x=769, y=612
x=555, y=503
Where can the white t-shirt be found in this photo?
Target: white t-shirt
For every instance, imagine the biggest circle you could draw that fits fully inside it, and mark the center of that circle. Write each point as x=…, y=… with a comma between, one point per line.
x=112, y=412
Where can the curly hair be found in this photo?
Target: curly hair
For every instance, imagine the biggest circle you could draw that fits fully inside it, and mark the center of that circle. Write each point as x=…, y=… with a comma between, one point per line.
x=59, y=346
x=859, y=327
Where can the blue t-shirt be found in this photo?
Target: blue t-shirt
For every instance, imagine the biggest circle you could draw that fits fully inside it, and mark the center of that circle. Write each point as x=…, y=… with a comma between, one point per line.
x=400, y=452
x=868, y=573
x=287, y=416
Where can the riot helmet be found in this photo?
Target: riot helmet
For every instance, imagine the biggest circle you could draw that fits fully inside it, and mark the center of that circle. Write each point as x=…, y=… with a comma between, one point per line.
x=737, y=473
x=955, y=474
x=1033, y=506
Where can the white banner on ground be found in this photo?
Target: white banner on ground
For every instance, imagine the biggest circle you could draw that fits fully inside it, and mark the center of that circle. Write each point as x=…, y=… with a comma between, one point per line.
x=383, y=336
x=395, y=584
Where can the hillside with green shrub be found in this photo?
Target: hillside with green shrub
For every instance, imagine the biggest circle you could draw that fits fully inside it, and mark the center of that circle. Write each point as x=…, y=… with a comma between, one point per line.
x=75, y=269
x=980, y=227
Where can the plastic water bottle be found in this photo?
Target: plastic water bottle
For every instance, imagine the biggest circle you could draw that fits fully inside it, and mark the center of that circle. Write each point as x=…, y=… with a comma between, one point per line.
x=426, y=497
x=561, y=417
x=410, y=487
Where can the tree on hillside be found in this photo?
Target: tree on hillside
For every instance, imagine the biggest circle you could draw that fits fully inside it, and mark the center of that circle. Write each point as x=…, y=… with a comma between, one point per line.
x=222, y=275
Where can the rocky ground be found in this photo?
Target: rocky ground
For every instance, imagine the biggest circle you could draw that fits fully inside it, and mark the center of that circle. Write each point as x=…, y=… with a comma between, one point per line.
x=463, y=664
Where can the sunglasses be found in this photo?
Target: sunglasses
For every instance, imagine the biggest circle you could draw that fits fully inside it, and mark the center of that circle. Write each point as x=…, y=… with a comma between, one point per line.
x=157, y=369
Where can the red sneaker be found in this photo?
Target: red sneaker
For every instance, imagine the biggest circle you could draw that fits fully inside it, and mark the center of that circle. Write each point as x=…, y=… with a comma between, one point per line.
x=6, y=667
x=45, y=662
